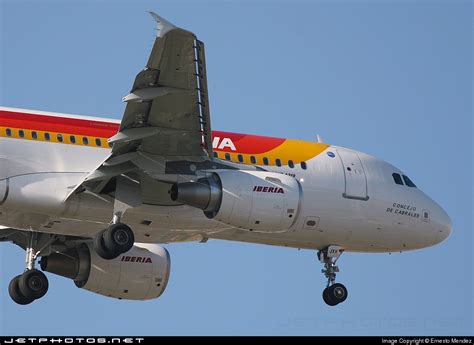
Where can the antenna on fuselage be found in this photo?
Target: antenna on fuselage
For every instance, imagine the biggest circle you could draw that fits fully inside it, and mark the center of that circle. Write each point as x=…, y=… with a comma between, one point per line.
x=319, y=139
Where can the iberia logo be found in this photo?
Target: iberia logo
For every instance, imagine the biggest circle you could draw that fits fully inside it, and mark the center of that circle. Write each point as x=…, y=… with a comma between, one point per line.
x=220, y=144
x=140, y=259
x=268, y=189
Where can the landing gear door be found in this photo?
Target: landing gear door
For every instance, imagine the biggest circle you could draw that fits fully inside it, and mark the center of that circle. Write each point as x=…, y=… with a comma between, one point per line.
x=355, y=179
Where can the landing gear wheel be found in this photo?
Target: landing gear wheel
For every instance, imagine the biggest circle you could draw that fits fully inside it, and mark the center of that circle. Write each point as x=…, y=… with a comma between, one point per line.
x=119, y=237
x=15, y=293
x=327, y=298
x=33, y=284
x=101, y=250
x=115, y=240
x=335, y=294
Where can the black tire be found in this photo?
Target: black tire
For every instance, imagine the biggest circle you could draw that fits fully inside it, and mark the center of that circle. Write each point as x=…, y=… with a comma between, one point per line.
x=119, y=238
x=15, y=293
x=337, y=293
x=100, y=248
x=327, y=298
x=33, y=284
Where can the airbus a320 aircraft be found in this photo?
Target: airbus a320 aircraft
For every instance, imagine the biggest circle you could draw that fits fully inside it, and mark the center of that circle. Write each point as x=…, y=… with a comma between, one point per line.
x=94, y=198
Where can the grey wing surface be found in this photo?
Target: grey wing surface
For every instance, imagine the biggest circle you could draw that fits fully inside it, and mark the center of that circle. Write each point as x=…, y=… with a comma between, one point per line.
x=165, y=130
x=167, y=109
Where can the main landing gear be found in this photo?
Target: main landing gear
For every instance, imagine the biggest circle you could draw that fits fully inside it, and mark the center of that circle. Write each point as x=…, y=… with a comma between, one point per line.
x=32, y=284
x=117, y=239
x=334, y=293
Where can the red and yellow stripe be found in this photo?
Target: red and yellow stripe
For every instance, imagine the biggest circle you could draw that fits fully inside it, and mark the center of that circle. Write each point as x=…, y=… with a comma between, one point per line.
x=72, y=130
x=21, y=125
x=267, y=147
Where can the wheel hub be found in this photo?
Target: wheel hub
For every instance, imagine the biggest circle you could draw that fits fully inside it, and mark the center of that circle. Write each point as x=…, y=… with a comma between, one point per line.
x=121, y=237
x=339, y=292
x=35, y=283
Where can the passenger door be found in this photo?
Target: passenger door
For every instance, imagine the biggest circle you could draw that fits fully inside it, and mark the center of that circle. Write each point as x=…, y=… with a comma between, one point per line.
x=355, y=178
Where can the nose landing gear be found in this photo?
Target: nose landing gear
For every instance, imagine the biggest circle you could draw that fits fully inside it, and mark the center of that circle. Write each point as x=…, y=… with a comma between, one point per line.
x=334, y=293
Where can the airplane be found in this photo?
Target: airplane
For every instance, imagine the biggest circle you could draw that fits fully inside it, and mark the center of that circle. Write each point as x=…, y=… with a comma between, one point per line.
x=95, y=199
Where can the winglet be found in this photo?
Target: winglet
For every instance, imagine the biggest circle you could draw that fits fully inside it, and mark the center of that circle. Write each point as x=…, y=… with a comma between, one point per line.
x=163, y=26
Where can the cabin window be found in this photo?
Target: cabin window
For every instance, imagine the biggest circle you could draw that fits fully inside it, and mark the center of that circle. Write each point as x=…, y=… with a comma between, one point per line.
x=110, y=144
x=34, y=135
x=303, y=165
x=9, y=132
x=60, y=137
x=291, y=164
x=408, y=182
x=253, y=160
x=215, y=154
x=21, y=133
x=240, y=158
x=265, y=160
x=98, y=142
x=72, y=139
x=278, y=162
x=227, y=156
x=47, y=136
x=85, y=140
x=397, y=178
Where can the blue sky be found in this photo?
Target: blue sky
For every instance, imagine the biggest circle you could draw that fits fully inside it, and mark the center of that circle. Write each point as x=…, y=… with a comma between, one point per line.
x=393, y=79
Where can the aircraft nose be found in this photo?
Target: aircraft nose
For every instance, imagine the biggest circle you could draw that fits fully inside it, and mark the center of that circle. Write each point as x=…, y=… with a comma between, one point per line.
x=444, y=225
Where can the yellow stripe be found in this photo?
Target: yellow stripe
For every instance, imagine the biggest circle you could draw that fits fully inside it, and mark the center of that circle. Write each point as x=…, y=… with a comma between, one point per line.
x=295, y=150
x=54, y=137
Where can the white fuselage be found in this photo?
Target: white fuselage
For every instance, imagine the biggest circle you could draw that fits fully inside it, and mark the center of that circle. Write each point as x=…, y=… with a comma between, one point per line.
x=348, y=199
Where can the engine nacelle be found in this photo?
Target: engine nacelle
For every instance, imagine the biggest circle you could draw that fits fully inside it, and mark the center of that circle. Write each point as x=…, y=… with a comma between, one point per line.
x=253, y=200
x=140, y=274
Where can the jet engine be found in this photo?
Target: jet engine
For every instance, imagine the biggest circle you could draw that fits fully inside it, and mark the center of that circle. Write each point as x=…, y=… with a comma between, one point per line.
x=252, y=200
x=140, y=274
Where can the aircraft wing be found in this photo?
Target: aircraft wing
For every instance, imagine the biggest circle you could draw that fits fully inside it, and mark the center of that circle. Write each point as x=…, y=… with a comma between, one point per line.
x=165, y=130
x=167, y=111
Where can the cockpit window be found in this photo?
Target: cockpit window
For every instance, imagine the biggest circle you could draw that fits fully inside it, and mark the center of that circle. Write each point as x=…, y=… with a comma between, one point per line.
x=408, y=182
x=397, y=178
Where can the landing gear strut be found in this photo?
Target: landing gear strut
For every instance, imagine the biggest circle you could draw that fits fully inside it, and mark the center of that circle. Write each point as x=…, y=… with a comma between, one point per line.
x=32, y=284
x=334, y=293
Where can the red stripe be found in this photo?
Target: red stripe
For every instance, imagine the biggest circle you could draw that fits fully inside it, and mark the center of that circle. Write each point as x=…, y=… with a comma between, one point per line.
x=58, y=124
x=249, y=144
x=245, y=143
